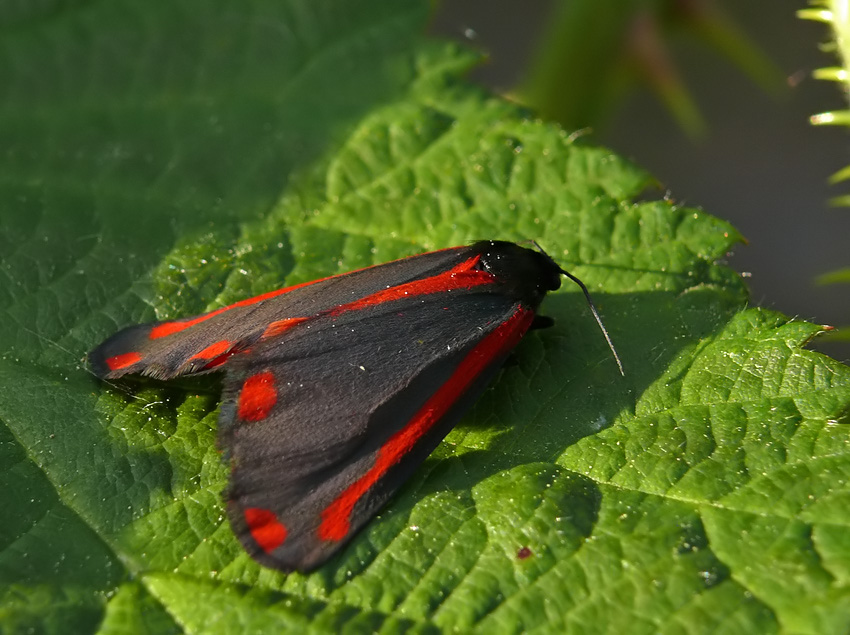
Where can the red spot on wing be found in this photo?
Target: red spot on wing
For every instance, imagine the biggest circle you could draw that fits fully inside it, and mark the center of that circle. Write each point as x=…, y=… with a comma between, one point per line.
x=217, y=353
x=257, y=397
x=279, y=326
x=218, y=361
x=336, y=517
x=266, y=530
x=122, y=361
x=462, y=276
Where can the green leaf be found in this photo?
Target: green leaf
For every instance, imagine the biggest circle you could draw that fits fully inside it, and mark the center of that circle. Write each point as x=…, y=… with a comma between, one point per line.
x=165, y=159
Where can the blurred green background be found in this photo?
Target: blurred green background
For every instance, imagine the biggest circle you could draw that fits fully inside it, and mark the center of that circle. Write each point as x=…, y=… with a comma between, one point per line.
x=759, y=162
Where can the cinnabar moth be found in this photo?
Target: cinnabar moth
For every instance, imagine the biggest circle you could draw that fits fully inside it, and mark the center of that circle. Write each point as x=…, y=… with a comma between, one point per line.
x=336, y=390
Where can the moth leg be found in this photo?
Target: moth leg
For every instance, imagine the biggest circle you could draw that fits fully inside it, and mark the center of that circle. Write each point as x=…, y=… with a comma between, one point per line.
x=542, y=322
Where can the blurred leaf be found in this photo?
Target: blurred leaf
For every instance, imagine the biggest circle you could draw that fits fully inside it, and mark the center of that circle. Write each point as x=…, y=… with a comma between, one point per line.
x=836, y=14
x=835, y=277
x=595, y=51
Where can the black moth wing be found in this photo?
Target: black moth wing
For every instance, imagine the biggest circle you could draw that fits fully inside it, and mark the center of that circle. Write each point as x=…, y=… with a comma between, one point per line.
x=203, y=343
x=336, y=390
x=344, y=387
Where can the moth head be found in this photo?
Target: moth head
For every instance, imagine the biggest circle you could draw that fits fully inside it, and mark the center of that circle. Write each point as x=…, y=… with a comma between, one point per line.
x=526, y=273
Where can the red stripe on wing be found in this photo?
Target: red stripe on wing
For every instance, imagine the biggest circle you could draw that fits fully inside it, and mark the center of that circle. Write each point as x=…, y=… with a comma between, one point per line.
x=462, y=276
x=336, y=517
x=169, y=328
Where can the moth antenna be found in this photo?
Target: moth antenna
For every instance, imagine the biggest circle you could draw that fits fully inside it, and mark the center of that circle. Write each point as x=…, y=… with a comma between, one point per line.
x=598, y=319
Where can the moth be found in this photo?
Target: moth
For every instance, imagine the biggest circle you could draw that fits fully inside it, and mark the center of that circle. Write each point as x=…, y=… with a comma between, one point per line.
x=336, y=390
